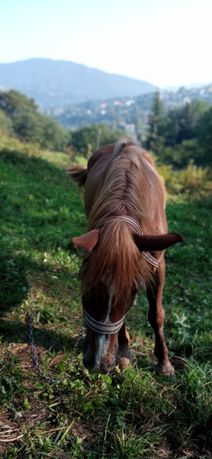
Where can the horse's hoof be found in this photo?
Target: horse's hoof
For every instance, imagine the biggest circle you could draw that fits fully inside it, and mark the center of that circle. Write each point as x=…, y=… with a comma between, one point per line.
x=124, y=357
x=124, y=362
x=165, y=369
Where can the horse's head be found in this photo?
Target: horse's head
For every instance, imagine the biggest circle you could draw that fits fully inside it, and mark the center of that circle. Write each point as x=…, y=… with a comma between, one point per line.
x=104, y=317
x=103, y=311
x=103, y=308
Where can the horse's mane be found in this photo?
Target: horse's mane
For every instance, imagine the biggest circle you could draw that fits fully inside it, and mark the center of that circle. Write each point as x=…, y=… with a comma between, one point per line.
x=123, y=192
x=124, y=188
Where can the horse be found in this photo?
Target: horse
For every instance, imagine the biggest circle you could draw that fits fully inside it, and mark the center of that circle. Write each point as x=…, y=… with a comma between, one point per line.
x=125, y=243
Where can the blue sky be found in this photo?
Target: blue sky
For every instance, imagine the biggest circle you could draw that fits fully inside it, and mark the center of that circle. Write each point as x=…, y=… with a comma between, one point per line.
x=166, y=42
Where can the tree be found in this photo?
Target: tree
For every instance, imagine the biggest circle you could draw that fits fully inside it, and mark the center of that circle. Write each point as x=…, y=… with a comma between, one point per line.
x=181, y=123
x=180, y=132
x=5, y=124
x=204, y=137
x=155, y=140
x=84, y=139
x=13, y=102
x=87, y=139
x=30, y=125
x=107, y=135
x=54, y=136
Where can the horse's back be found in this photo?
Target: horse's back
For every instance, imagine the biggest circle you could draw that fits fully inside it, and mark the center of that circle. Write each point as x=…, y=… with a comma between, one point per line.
x=131, y=156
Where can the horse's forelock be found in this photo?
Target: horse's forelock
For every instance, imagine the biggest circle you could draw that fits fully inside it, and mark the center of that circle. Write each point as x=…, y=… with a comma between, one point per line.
x=117, y=261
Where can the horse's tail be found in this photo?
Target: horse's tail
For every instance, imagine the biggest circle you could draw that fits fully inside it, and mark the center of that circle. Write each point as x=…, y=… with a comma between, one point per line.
x=79, y=174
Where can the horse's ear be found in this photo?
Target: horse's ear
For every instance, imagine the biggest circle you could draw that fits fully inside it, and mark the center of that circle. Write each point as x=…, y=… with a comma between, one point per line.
x=87, y=241
x=160, y=242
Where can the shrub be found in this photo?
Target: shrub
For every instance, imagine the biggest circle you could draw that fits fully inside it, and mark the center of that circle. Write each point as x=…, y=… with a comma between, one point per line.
x=190, y=180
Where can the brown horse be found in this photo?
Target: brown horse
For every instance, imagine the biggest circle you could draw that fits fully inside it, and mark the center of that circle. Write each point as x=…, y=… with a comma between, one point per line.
x=125, y=207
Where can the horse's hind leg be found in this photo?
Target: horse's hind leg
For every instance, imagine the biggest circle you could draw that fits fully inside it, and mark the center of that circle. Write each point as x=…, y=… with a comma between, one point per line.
x=156, y=319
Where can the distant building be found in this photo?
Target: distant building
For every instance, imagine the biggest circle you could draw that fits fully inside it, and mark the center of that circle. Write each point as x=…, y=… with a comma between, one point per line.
x=130, y=130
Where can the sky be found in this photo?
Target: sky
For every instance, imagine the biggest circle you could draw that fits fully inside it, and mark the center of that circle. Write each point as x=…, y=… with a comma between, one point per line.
x=165, y=42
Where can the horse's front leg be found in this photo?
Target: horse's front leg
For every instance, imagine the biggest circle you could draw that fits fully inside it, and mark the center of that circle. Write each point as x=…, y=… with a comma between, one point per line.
x=123, y=355
x=156, y=319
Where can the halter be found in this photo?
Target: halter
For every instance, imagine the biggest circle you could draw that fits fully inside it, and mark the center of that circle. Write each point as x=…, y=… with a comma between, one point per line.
x=136, y=227
x=131, y=222
x=104, y=328
x=109, y=328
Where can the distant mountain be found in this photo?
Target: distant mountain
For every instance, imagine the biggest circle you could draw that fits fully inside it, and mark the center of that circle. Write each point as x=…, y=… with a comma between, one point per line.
x=57, y=83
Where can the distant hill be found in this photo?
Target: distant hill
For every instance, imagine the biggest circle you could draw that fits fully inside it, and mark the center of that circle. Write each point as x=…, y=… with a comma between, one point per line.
x=57, y=83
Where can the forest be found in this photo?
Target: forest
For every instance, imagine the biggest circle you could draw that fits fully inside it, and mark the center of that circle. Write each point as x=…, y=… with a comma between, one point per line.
x=176, y=136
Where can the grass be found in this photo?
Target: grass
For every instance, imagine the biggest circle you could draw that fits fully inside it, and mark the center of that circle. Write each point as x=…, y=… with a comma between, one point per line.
x=134, y=414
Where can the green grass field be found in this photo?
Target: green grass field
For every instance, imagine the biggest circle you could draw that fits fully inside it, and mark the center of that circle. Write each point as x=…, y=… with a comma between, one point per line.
x=134, y=414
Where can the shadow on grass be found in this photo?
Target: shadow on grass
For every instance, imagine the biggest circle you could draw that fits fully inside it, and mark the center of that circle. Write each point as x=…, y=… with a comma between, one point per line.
x=14, y=274
x=34, y=193
x=13, y=283
x=18, y=332
x=14, y=289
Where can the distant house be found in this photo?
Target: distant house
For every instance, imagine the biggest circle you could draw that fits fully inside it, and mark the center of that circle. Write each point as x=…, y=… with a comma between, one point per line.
x=130, y=130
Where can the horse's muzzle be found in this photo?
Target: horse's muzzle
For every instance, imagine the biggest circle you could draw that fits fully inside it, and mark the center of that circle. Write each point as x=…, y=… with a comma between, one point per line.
x=96, y=358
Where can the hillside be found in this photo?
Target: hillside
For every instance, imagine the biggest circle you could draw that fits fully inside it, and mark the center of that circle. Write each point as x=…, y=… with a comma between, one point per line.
x=136, y=414
x=57, y=83
x=126, y=110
